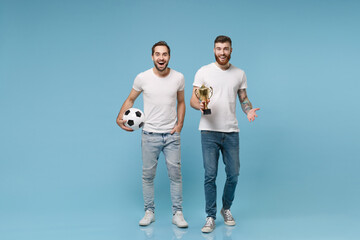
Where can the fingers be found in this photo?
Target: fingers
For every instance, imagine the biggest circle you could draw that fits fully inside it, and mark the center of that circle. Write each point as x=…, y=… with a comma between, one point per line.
x=252, y=114
x=175, y=129
x=252, y=117
x=202, y=104
x=123, y=126
x=127, y=129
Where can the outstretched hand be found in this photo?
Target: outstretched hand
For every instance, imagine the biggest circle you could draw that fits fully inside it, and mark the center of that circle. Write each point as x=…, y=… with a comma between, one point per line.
x=252, y=114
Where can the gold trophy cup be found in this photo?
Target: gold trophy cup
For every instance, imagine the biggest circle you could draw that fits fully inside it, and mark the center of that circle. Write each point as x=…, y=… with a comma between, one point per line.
x=203, y=94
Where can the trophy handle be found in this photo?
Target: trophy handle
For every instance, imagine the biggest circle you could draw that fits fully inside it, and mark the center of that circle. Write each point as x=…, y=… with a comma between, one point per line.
x=211, y=92
x=197, y=93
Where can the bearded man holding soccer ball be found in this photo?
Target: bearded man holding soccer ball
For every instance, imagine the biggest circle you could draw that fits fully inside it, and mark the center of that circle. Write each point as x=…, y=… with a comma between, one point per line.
x=164, y=109
x=219, y=130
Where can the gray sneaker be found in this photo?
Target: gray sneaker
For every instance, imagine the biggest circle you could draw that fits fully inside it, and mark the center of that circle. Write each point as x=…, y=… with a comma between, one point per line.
x=209, y=225
x=228, y=218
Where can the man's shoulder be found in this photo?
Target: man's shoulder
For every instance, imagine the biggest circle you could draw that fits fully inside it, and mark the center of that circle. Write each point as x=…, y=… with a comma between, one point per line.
x=207, y=66
x=176, y=73
x=145, y=73
x=234, y=68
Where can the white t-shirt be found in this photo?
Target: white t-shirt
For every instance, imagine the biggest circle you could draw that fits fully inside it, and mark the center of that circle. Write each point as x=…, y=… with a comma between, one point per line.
x=160, y=99
x=225, y=84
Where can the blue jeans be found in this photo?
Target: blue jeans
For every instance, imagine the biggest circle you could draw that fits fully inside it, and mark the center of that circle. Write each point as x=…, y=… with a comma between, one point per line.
x=152, y=145
x=212, y=144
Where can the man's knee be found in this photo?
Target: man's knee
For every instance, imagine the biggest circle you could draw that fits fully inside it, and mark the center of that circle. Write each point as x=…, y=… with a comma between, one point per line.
x=148, y=175
x=174, y=173
x=210, y=178
x=232, y=178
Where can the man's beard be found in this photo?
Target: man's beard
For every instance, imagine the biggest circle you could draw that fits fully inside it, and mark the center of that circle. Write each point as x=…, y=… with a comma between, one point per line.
x=221, y=63
x=160, y=70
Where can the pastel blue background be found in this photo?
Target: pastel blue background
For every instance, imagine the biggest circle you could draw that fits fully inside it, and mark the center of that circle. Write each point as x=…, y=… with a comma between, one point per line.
x=68, y=172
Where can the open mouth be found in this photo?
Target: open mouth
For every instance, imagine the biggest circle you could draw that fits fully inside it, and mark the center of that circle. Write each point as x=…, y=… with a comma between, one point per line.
x=161, y=63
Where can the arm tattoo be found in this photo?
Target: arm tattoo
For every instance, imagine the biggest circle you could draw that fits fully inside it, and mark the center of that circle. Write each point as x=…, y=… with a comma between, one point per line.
x=244, y=100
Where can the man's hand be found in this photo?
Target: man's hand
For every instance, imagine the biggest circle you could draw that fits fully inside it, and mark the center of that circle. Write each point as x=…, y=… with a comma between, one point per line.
x=252, y=114
x=195, y=103
x=129, y=102
x=177, y=129
x=121, y=124
x=202, y=105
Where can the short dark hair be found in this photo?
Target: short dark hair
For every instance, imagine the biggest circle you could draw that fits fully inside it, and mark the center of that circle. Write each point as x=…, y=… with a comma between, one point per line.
x=160, y=43
x=222, y=39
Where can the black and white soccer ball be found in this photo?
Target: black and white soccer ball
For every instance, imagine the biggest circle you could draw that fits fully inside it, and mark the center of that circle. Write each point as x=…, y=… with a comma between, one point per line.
x=134, y=118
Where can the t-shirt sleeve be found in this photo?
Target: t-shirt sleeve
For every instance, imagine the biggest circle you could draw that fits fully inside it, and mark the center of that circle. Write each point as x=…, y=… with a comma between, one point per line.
x=181, y=83
x=198, y=80
x=243, y=84
x=137, y=83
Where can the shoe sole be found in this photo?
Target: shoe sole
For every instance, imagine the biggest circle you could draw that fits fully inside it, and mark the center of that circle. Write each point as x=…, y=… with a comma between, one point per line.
x=207, y=231
x=180, y=226
x=143, y=225
x=230, y=224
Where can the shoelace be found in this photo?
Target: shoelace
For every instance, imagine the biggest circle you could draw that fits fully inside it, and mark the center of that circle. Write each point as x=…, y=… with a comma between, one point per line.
x=178, y=214
x=208, y=222
x=228, y=215
x=148, y=216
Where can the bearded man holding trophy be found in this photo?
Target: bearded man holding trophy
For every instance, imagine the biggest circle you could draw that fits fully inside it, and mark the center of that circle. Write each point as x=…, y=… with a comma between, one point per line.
x=222, y=83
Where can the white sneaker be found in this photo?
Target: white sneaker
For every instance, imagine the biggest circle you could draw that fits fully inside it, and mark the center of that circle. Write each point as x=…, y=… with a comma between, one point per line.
x=148, y=218
x=179, y=221
x=209, y=225
x=228, y=218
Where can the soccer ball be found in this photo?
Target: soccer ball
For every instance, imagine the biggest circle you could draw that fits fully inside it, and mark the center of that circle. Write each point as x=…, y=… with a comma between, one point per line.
x=134, y=118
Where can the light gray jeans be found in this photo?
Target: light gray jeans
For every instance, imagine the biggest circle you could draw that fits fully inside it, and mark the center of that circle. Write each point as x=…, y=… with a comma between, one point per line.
x=152, y=145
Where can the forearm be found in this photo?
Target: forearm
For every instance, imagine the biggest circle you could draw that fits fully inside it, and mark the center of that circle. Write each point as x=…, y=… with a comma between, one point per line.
x=244, y=101
x=126, y=105
x=180, y=114
x=195, y=103
x=246, y=105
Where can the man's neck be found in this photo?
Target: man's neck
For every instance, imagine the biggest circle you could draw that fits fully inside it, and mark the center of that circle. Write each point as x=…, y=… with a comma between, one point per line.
x=223, y=67
x=161, y=74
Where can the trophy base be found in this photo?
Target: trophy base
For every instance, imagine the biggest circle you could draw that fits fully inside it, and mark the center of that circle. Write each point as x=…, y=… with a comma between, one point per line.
x=207, y=111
